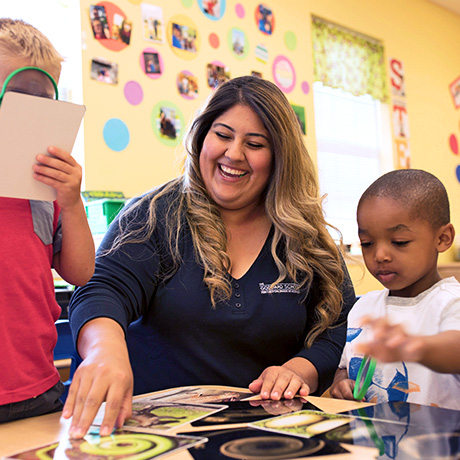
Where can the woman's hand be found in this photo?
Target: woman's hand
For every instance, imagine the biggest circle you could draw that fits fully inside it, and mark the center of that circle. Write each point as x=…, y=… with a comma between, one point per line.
x=297, y=376
x=104, y=375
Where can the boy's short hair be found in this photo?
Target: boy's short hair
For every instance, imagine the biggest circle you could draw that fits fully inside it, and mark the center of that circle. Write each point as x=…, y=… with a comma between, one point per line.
x=18, y=39
x=419, y=191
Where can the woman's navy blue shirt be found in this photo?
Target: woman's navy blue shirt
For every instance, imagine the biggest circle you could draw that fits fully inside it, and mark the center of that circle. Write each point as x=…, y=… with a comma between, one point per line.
x=175, y=337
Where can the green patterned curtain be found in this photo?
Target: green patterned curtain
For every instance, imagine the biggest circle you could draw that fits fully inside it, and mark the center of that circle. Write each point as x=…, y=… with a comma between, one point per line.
x=349, y=61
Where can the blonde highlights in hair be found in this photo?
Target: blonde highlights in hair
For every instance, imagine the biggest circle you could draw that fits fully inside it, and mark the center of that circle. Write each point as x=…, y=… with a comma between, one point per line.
x=302, y=247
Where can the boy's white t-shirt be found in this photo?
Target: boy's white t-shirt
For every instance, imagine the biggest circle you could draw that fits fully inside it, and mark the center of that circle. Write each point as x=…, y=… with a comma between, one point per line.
x=434, y=310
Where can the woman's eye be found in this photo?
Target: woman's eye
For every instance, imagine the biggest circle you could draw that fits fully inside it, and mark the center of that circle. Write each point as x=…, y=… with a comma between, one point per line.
x=366, y=244
x=253, y=145
x=222, y=135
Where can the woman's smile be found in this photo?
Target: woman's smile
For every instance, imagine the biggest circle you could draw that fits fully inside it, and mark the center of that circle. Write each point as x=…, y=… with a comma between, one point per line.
x=231, y=172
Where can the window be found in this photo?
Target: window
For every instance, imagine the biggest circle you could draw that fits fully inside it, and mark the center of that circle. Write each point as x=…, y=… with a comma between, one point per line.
x=353, y=149
x=352, y=119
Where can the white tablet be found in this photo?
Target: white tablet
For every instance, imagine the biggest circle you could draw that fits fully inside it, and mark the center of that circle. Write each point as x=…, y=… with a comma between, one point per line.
x=28, y=126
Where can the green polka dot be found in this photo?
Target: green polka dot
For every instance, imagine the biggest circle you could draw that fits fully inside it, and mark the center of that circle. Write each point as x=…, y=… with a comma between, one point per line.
x=290, y=40
x=187, y=3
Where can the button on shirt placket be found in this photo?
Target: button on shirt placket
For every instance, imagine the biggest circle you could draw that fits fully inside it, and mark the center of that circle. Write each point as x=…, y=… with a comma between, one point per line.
x=237, y=299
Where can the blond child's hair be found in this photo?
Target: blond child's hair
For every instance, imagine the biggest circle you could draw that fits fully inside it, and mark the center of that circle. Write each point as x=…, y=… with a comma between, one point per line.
x=19, y=39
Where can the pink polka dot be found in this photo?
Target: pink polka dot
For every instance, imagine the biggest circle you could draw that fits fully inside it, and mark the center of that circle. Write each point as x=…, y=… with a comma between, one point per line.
x=133, y=92
x=453, y=143
x=239, y=9
x=214, y=40
x=305, y=87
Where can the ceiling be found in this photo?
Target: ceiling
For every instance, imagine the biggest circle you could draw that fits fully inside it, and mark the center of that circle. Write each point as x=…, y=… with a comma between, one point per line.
x=451, y=5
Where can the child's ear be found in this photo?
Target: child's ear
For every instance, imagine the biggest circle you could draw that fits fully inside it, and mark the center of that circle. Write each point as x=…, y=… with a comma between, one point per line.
x=446, y=235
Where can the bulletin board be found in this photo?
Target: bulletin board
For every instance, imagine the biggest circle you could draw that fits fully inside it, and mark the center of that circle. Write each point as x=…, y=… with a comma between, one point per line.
x=149, y=65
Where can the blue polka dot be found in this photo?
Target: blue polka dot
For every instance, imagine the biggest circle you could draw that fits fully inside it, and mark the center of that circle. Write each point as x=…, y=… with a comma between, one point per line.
x=458, y=173
x=116, y=134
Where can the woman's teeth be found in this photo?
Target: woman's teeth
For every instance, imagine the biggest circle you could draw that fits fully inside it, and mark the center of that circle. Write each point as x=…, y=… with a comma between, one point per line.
x=232, y=172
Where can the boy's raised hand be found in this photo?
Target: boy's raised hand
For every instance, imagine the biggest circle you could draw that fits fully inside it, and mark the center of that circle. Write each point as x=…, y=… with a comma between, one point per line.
x=390, y=342
x=61, y=172
x=75, y=261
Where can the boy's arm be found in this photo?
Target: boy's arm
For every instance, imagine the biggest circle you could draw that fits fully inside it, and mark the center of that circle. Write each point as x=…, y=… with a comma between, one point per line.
x=75, y=261
x=438, y=352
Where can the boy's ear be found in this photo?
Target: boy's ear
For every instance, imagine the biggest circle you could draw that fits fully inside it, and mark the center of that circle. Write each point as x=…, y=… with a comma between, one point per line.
x=446, y=235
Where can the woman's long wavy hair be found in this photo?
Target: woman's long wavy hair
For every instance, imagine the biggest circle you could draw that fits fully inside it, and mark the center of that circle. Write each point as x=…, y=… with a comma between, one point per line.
x=302, y=247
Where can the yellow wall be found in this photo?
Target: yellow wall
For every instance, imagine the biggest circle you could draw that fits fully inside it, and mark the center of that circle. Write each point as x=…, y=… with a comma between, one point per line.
x=420, y=34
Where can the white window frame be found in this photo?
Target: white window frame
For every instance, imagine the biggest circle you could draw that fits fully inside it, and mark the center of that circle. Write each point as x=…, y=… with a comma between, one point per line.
x=347, y=168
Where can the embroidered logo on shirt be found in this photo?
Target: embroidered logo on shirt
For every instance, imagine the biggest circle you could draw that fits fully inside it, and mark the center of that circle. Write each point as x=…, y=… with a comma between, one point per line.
x=281, y=288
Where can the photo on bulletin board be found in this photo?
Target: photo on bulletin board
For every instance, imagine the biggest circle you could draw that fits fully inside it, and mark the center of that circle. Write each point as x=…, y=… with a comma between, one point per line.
x=104, y=71
x=151, y=63
x=300, y=114
x=187, y=85
x=216, y=74
x=183, y=37
x=455, y=92
x=152, y=22
x=121, y=28
x=212, y=7
x=238, y=42
x=168, y=122
x=99, y=23
x=265, y=19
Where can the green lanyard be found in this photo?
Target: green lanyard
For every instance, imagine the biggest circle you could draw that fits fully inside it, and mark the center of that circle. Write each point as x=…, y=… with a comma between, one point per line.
x=364, y=377
x=15, y=72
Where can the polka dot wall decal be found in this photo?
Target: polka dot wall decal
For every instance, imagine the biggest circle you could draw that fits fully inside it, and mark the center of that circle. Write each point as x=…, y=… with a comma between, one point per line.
x=261, y=53
x=116, y=134
x=290, y=40
x=187, y=3
x=457, y=172
x=305, y=87
x=133, y=92
x=284, y=73
x=214, y=40
x=239, y=10
x=453, y=143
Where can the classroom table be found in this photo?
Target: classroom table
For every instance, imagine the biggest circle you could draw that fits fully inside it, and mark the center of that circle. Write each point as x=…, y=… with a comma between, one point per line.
x=34, y=432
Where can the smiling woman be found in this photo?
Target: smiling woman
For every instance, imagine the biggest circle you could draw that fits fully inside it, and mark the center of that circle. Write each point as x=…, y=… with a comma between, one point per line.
x=225, y=275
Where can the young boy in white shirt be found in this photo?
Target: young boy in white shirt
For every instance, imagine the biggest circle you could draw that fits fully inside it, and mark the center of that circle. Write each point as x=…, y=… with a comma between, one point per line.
x=412, y=327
